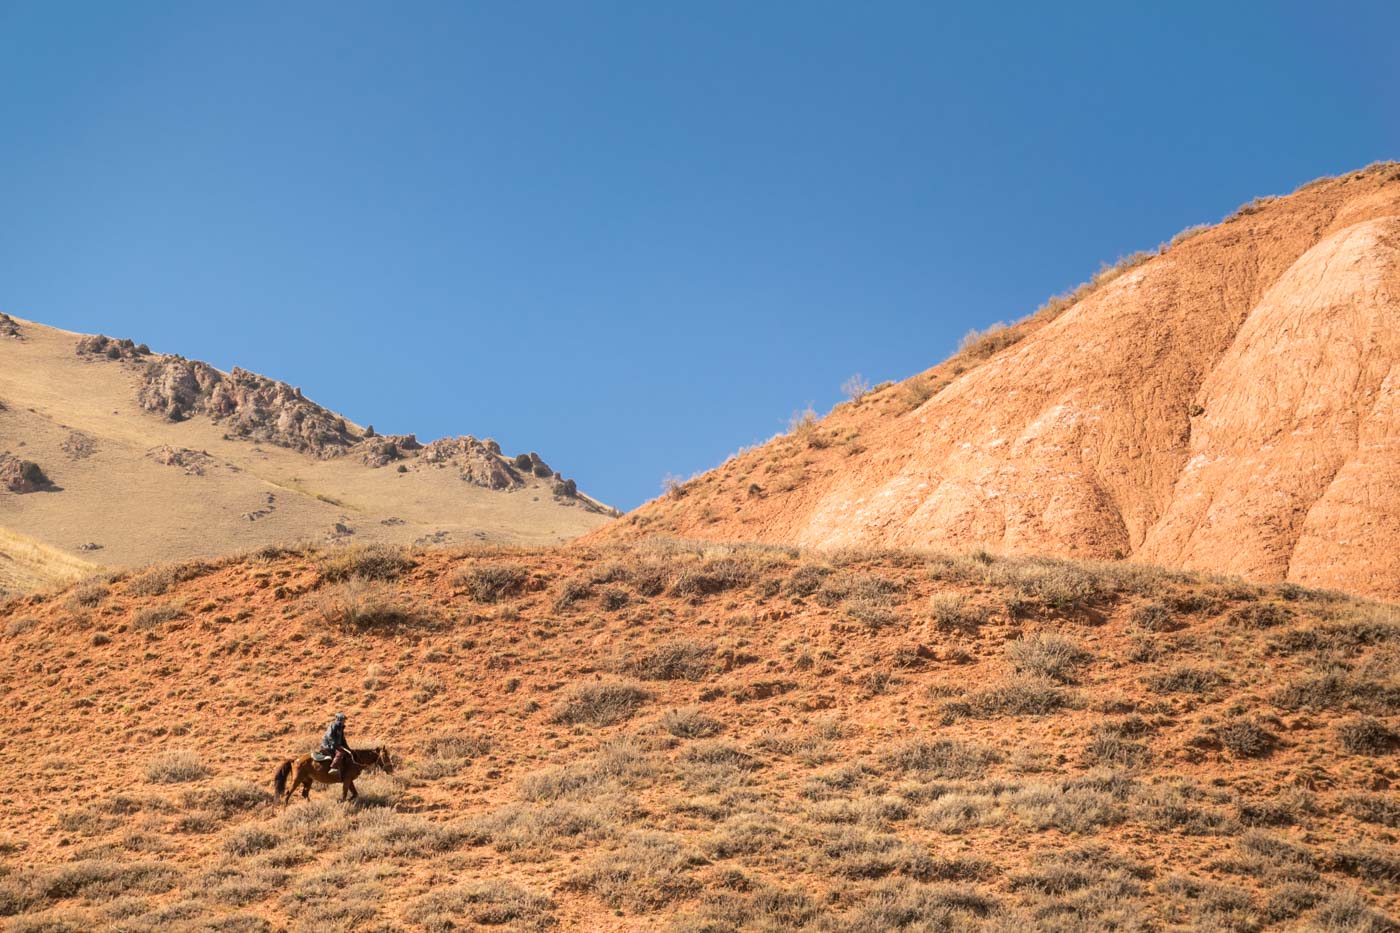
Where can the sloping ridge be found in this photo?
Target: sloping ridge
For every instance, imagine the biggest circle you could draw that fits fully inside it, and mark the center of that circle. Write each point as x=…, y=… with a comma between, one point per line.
x=1227, y=405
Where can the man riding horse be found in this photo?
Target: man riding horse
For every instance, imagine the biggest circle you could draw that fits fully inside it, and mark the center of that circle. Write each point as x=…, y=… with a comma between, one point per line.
x=345, y=765
x=334, y=746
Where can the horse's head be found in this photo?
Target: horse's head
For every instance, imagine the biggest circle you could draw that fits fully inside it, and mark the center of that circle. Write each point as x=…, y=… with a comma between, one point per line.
x=385, y=760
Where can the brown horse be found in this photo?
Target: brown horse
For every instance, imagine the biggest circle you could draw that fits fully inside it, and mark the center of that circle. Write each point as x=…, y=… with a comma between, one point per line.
x=307, y=769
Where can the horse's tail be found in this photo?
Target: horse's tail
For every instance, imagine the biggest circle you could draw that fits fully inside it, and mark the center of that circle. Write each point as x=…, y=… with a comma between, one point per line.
x=280, y=781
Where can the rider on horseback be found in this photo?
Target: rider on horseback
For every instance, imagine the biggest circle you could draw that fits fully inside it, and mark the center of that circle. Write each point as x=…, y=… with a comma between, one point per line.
x=333, y=744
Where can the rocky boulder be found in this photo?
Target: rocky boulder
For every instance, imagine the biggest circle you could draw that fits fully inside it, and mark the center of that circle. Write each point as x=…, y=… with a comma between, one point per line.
x=381, y=450
x=21, y=476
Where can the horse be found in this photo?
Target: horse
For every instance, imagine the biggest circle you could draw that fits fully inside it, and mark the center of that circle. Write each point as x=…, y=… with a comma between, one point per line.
x=306, y=769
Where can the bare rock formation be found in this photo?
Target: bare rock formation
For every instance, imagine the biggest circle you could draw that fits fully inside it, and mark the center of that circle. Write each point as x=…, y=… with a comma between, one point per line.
x=21, y=476
x=9, y=327
x=475, y=461
x=110, y=348
x=379, y=450
x=1231, y=404
x=250, y=406
x=191, y=462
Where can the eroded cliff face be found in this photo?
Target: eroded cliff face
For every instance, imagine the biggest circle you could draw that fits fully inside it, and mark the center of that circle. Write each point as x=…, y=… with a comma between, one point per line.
x=1228, y=405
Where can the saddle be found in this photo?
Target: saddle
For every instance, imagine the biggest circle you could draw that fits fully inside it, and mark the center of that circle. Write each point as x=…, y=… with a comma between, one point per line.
x=321, y=757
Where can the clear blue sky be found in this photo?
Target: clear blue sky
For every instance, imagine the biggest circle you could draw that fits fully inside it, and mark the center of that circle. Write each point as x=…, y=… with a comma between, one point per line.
x=634, y=236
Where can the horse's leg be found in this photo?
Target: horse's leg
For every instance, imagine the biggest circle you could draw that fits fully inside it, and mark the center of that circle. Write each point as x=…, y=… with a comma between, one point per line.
x=350, y=785
x=292, y=784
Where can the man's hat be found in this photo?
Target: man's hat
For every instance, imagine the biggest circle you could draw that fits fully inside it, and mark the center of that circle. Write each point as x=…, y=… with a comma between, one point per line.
x=339, y=717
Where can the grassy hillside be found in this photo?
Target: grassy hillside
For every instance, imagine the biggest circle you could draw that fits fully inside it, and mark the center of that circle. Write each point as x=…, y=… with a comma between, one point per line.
x=700, y=737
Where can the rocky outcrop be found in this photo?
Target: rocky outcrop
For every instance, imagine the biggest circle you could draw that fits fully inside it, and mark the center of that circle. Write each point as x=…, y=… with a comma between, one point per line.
x=79, y=446
x=191, y=462
x=250, y=406
x=21, y=476
x=475, y=461
x=256, y=408
x=532, y=464
x=9, y=327
x=379, y=450
x=110, y=348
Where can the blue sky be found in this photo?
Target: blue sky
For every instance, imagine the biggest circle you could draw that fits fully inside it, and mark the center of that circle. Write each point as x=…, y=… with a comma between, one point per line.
x=634, y=236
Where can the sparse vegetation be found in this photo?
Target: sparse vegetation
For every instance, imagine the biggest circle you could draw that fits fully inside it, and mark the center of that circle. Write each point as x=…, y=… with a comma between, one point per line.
x=856, y=388
x=705, y=757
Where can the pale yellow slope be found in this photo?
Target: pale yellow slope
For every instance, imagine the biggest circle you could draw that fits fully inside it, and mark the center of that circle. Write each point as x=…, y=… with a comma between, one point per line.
x=113, y=494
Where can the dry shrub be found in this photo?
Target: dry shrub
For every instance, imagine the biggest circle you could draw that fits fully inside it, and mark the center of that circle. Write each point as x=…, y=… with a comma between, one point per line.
x=649, y=871
x=383, y=833
x=1337, y=688
x=720, y=753
x=941, y=758
x=17, y=627
x=88, y=594
x=712, y=576
x=1114, y=743
x=1186, y=679
x=365, y=562
x=900, y=904
x=490, y=583
x=250, y=840
x=101, y=879
x=446, y=755
x=1366, y=736
x=1059, y=585
x=156, y=616
x=807, y=579
x=1072, y=806
x=484, y=903
x=980, y=344
x=1348, y=912
x=1045, y=654
x=571, y=592
x=952, y=612
x=175, y=767
x=368, y=607
x=1155, y=617
x=743, y=904
x=228, y=798
x=1373, y=808
x=600, y=704
x=1019, y=695
x=339, y=897
x=157, y=581
x=674, y=660
x=690, y=722
x=1245, y=738
x=1261, y=615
